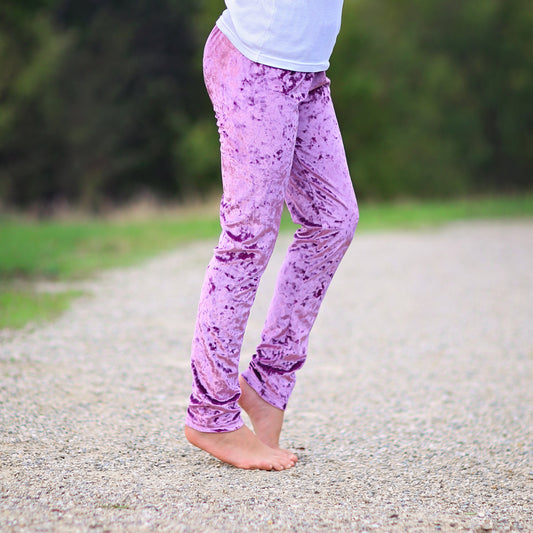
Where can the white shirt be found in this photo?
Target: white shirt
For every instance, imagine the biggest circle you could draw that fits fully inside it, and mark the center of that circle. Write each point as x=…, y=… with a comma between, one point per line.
x=289, y=34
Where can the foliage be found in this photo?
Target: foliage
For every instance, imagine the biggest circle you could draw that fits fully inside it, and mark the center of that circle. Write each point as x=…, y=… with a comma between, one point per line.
x=101, y=101
x=106, y=96
x=432, y=95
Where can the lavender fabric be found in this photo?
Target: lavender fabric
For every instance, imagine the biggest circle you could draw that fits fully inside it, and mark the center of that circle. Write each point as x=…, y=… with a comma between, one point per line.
x=280, y=141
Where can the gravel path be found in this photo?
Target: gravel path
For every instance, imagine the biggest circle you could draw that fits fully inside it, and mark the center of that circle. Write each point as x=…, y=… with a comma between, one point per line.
x=413, y=413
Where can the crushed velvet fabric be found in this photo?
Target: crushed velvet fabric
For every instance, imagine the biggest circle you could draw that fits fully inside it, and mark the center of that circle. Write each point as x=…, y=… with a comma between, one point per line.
x=280, y=142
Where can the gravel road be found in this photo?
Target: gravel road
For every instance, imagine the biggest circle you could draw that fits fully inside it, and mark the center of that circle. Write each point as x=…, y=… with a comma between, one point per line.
x=414, y=411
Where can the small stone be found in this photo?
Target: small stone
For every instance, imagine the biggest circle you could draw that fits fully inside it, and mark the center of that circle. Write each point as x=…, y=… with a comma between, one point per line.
x=486, y=525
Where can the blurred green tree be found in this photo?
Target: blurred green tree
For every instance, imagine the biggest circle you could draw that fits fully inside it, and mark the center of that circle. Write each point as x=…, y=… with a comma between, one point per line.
x=30, y=52
x=102, y=100
x=432, y=96
x=110, y=94
x=131, y=92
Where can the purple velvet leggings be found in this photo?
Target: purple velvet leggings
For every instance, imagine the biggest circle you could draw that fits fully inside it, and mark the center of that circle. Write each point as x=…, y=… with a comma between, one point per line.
x=280, y=142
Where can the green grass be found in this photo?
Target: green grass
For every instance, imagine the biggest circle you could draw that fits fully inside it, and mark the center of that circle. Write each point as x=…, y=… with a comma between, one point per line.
x=66, y=250
x=61, y=250
x=415, y=215
x=70, y=250
x=20, y=306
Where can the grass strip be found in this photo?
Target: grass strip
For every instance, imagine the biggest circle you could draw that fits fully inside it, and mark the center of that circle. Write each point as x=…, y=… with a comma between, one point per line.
x=415, y=215
x=69, y=250
x=65, y=250
x=18, y=307
x=73, y=250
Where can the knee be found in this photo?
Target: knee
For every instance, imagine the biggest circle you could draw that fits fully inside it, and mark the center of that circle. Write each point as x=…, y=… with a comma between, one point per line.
x=334, y=232
x=251, y=248
x=343, y=228
x=352, y=219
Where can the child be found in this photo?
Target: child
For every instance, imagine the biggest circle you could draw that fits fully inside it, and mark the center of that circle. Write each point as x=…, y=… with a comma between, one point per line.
x=264, y=68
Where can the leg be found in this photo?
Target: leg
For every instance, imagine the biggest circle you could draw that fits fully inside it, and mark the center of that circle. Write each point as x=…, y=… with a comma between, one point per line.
x=267, y=420
x=320, y=197
x=257, y=132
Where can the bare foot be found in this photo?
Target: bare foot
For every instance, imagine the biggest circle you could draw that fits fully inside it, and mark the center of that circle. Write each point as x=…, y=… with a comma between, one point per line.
x=240, y=448
x=266, y=419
